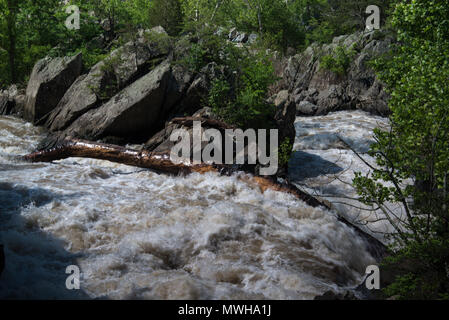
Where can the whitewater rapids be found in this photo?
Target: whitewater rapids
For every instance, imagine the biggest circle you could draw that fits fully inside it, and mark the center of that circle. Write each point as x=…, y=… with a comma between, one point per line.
x=136, y=234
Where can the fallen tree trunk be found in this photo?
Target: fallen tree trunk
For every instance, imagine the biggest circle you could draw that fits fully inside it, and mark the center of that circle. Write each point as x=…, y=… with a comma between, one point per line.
x=142, y=159
x=160, y=162
x=156, y=161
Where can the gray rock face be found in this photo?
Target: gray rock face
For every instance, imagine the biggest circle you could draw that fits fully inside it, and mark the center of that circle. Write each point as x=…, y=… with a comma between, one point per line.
x=198, y=88
x=285, y=120
x=161, y=141
x=281, y=98
x=48, y=83
x=4, y=104
x=78, y=99
x=306, y=108
x=285, y=116
x=12, y=101
x=19, y=104
x=232, y=33
x=123, y=66
x=131, y=112
x=241, y=37
x=358, y=88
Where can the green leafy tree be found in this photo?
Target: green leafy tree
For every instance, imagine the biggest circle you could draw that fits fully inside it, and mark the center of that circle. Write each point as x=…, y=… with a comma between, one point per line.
x=27, y=31
x=413, y=157
x=8, y=19
x=168, y=14
x=325, y=20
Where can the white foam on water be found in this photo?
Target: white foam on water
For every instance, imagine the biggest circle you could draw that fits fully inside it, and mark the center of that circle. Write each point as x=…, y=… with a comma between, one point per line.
x=323, y=166
x=136, y=234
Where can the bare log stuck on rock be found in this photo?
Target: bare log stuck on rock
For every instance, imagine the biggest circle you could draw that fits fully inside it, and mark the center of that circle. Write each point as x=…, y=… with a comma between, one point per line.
x=94, y=150
x=156, y=161
x=160, y=162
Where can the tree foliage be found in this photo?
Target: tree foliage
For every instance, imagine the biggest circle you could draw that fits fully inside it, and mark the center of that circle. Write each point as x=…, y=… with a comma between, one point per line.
x=31, y=29
x=413, y=157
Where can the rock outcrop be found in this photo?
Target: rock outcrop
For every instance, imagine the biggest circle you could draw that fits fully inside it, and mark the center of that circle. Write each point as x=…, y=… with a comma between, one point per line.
x=317, y=91
x=48, y=83
x=134, y=93
x=5, y=104
x=285, y=116
x=150, y=96
x=12, y=101
x=130, y=113
x=107, y=78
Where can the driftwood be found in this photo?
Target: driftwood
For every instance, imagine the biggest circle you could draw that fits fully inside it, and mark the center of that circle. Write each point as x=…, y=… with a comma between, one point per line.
x=157, y=161
x=143, y=159
x=160, y=162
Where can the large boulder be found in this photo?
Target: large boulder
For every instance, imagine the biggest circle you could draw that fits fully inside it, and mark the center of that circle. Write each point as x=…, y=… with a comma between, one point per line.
x=358, y=88
x=108, y=77
x=48, y=83
x=130, y=114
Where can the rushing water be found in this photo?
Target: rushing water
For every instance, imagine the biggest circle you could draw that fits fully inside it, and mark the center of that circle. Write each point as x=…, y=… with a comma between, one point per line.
x=141, y=235
x=324, y=166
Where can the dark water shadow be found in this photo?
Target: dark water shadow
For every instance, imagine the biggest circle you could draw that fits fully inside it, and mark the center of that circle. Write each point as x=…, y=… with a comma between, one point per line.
x=35, y=261
x=304, y=165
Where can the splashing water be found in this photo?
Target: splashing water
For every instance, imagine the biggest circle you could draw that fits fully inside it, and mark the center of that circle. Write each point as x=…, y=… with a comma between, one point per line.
x=136, y=234
x=324, y=166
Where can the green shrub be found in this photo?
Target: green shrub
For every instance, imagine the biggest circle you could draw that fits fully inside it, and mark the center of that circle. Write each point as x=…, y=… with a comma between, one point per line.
x=284, y=152
x=166, y=13
x=108, y=88
x=339, y=61
x=162, y=41
x=240, y=99
x=412, y=157
x=218, y=95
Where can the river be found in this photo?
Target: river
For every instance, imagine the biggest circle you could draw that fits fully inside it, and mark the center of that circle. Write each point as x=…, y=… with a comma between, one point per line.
x=136, y=234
